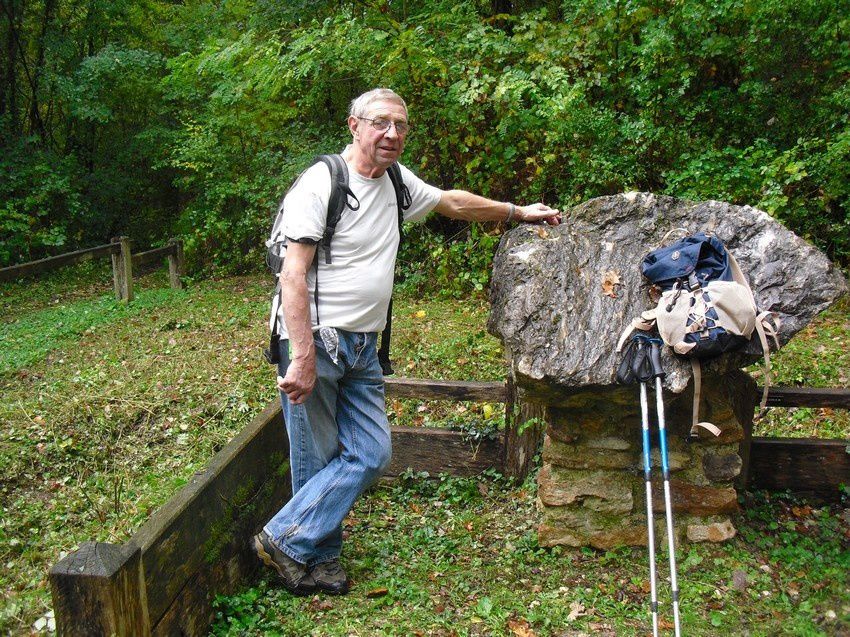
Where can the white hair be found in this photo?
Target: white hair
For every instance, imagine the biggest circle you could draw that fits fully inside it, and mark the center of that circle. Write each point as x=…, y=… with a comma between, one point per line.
x=360, y=105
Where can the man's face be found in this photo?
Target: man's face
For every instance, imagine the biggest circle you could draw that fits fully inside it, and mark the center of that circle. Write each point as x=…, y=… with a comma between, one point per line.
x=376, y=148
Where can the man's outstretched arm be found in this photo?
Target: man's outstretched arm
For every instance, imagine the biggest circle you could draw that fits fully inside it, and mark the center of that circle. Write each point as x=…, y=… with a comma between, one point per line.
x=460, y=204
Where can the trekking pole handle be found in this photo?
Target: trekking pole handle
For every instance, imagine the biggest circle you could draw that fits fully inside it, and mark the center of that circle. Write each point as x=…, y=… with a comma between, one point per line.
x=655, y=360
x=639, y=362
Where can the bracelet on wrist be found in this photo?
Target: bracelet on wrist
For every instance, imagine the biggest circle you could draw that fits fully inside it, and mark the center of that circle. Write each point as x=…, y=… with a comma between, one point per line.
x=511, y=213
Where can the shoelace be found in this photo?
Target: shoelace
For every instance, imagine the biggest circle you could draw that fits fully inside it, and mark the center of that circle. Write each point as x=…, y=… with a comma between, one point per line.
x=333, y=569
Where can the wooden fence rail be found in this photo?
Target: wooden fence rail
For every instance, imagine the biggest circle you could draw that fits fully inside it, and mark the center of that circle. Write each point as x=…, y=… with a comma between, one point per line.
x=33, y=268
x=123, y=263
x=808, y=397
x=164, y=580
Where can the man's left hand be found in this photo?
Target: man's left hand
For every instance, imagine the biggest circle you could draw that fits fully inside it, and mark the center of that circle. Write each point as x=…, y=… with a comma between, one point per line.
x=538, y=213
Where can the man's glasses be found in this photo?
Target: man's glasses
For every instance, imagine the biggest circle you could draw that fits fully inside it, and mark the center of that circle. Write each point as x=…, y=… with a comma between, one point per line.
x=381, y=124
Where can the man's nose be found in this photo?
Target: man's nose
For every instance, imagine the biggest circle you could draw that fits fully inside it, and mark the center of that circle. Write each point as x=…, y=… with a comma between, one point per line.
x=392, y=131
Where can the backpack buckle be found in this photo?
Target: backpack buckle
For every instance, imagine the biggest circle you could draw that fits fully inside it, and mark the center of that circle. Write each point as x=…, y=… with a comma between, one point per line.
x=693, y=282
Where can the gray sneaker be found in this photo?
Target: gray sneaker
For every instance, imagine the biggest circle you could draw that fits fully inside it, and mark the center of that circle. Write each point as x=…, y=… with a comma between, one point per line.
x=330, y=577
x=294, y=575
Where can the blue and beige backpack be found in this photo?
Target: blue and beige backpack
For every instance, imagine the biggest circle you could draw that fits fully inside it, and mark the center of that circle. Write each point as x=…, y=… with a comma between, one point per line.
x=706, y=308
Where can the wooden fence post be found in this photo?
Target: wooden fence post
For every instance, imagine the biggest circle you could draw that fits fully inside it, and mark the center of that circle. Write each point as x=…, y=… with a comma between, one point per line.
x=520, y=447
x=175, y=264
x=122, y=270
x=100, y=590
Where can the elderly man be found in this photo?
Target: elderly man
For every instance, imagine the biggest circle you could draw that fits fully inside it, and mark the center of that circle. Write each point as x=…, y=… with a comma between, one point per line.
x=331, y=384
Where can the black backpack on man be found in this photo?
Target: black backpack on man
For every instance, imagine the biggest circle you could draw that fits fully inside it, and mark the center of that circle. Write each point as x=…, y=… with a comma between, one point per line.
x=340, y=199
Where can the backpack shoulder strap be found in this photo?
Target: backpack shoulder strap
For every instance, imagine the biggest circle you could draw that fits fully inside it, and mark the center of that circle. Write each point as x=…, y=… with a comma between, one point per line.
x=403, y=198
x=403, y=201
x=695, y=421
x=339, y=199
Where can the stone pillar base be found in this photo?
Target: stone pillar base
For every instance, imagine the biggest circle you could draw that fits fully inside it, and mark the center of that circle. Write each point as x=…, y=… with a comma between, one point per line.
x=591, y=489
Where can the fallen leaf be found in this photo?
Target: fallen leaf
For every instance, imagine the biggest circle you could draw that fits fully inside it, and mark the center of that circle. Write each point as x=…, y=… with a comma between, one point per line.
x=317, y=604
x=576, y=610
x=610, y=280
x=377, y=592
x=520, y=628
x=739, y=580
x=801, y=511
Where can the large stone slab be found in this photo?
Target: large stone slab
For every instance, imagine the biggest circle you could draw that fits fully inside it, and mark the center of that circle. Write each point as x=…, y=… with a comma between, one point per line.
x=559, y=326
x=596, y=490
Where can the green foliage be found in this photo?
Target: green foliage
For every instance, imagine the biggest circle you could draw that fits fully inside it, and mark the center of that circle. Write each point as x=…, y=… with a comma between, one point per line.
x=195, y=118
x=451, y=268
x=695, y=100
x=80, y=121
x=39, y=202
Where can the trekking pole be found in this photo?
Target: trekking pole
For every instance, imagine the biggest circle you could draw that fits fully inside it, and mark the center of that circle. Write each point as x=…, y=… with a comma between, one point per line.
x=640, y=372
x=658, y=374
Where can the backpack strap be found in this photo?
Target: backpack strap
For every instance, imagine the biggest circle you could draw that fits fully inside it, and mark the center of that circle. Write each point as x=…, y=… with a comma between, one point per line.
x=403, y=202
x=339, y=199
x=403, y=198
x=682, y=231
x=766, y=325
x=645, y=322
x=696, y=425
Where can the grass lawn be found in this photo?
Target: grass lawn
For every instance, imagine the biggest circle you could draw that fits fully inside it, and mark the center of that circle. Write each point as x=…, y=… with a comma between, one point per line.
x=451, y=557
x=108, y=409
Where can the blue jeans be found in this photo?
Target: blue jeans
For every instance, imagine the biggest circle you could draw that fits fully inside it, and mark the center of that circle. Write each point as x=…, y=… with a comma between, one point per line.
x=339, y=444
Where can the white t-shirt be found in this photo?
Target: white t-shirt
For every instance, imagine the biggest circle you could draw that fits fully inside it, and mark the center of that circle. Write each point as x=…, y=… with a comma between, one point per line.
x=355, y=288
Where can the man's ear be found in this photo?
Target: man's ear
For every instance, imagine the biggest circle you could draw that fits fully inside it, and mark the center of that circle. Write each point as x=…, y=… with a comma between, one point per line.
x=353, y=123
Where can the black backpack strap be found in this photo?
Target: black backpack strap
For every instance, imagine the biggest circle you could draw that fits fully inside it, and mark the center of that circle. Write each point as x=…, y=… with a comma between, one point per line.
x=339, y=200
x=403, y=199
x=272, y=354
x=403, y=202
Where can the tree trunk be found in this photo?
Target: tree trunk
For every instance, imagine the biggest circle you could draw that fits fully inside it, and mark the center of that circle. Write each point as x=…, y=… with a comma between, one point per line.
x=9, y=95
x=36, y=122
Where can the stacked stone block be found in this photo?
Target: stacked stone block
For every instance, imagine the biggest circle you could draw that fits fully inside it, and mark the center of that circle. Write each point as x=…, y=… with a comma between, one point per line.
x=591, y=486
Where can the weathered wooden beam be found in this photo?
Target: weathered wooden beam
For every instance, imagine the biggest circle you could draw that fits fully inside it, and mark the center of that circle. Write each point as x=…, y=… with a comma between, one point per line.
x=99, y=589
x=122, y=269
x=176, y=264
x=429, y=389
x=442, y=451
x=808, y=397
x=521, y=446
x=141, y=259
x=52, y=263
x=190, y=613
x=810, y=467
x=193, y=543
